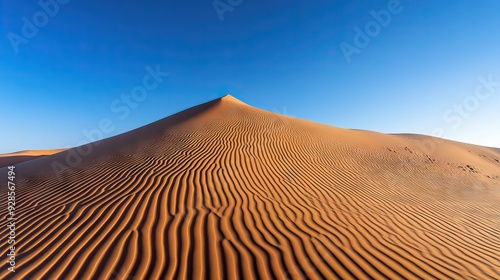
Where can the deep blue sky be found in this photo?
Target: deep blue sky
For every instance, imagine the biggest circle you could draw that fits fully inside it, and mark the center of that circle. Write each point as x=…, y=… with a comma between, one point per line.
x=283, y=56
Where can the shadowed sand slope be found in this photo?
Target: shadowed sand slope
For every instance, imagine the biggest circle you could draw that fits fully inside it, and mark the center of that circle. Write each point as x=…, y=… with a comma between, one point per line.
x=227, y=191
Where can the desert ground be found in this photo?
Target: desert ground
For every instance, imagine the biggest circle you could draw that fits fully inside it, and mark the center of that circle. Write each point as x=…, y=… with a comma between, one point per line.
x=225, y=190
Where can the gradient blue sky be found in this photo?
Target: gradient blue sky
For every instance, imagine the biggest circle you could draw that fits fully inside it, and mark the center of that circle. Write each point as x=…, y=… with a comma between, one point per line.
x=282, y=56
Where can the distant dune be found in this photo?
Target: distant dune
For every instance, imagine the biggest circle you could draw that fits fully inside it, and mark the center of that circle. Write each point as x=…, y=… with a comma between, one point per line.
x=21, y=156
x=228, y=191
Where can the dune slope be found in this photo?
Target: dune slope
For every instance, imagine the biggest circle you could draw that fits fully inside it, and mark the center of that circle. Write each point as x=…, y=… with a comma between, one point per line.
x=228, y=191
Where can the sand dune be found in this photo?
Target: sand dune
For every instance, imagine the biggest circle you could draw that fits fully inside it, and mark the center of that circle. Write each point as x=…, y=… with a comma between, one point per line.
x=228, y=191
x=21, y=156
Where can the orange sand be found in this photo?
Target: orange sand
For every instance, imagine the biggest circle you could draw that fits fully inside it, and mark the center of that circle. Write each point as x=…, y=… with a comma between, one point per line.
x=227, y=191
x=21, y=156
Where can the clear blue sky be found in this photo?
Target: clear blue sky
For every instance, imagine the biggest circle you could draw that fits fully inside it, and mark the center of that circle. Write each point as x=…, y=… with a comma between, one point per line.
x=418, y=72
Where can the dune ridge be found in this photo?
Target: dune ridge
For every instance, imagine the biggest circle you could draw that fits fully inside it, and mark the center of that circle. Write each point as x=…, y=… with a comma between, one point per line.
x=228, y=191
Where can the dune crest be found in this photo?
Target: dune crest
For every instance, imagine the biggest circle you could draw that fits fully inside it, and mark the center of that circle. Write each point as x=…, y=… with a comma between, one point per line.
x=228, y=191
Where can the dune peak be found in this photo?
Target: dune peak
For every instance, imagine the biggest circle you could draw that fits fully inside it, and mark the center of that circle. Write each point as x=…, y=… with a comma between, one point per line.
x=230, y=98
